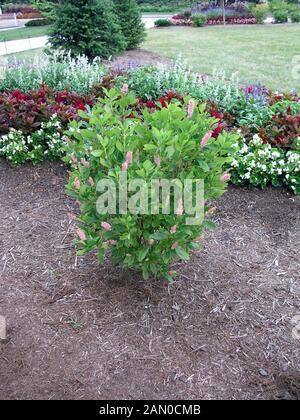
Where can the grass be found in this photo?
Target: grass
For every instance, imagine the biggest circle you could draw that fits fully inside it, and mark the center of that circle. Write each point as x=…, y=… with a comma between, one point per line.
x=25, y=55
x=257, y=53
x=23, y=33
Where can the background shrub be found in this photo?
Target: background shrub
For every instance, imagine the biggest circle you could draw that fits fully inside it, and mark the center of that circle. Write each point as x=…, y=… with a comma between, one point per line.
x=169, y=6
x=199, y=20
x=132, y=26
x=260, y=12
x=87, y=28
x=163, y=22
x=281, y=16
x=295, y=16
x=38, y=22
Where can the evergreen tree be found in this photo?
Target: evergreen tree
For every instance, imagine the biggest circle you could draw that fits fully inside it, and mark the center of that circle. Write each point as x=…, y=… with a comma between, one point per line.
x=130, y=20
x=88, y=27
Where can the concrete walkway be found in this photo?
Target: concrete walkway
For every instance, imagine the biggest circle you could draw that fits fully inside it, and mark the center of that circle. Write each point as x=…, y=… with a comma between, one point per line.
x=11, y=47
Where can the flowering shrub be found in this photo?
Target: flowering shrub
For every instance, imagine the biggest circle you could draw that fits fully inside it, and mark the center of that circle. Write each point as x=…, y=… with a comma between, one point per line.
x=174, y=143
x=259, y=164
x=48, y=141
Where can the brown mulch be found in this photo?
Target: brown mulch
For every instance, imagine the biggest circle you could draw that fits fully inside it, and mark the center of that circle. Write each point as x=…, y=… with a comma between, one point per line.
x=77, y=330
x=139, y=57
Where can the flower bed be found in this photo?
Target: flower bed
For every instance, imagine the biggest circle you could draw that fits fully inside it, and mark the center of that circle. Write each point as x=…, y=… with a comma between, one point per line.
x=179, y=20
x=271, y=119
x=232, y=20
x=32, y=124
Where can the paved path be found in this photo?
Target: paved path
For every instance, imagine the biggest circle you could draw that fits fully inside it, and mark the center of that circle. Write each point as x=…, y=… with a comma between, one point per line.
x=11, y=47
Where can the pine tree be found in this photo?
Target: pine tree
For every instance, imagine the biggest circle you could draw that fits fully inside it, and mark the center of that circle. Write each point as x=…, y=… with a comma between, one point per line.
x=88, y=27
x=130, y=20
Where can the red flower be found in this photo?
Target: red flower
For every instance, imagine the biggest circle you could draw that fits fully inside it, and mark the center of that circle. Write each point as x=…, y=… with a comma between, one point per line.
x=18, y=95
x=62, y=96
x=163, y=102
x=170, y=95
x=150, y=104
x=78, y=104
x=216, y=115
x=217, y=131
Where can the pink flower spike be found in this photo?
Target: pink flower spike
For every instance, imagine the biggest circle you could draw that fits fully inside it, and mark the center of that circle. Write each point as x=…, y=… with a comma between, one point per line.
x=72, y=216
x=106, y=226
x=180, y=208
x=129, y=158
x=81, y=234
x=175, y=245
x=206, y=138
x=173, y=230
x=74, y=159
x=125, y=89
x=157, y=160
x=91, y=182
x=84, y=162
x=77, y=183
x=124, y=167
x=225, y=177
x=191, y=108
x=112, y=242
x=151, y=242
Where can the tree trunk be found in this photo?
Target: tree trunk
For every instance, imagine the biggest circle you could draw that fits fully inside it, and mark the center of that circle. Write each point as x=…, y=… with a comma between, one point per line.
x=223, y=11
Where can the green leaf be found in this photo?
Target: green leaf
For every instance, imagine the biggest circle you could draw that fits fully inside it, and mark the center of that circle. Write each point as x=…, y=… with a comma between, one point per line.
x=208, y=224
x=150, y=147
x=101, y=255
x=145, y=274
x=203, y=165
x=169, y=278
x=96, y=153
x=160, y=236
x=182, y=254
x=142, y=254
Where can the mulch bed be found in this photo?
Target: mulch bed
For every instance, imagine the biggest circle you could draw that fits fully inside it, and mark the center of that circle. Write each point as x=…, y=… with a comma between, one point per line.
x=77, y=330
x=139, y=57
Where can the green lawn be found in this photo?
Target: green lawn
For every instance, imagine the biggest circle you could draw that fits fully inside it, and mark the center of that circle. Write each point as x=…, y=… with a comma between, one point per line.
x=22, y=33
x=257, y=53
x=27, y=56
